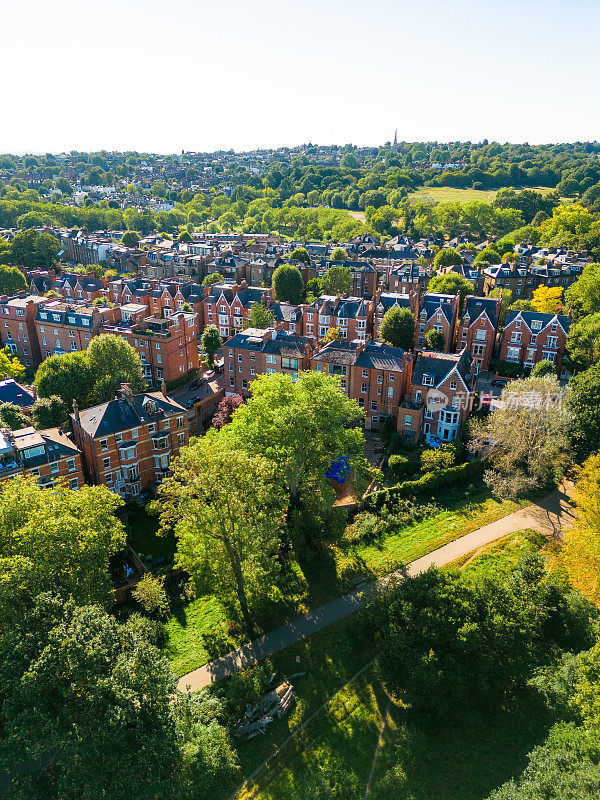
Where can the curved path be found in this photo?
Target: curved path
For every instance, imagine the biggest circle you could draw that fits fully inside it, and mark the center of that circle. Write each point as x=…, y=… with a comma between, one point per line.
x=550, y=516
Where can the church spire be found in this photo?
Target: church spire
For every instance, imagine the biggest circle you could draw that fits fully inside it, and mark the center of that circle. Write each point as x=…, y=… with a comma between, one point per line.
x=396, y=138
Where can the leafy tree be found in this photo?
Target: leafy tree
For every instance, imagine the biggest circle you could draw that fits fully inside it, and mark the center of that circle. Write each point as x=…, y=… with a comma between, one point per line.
x=13, y=417
x=521, y=305
x=300, y=254
x=489, y=254
x=226, y=509
x=435, y=340
x=301, y=428
x=210, y=280
x=505, y=296
x=349, y=161
x=10, y=367
x=438, y=458
x=12, y=280
x=398, y=327
x=68, y=376
x=260, y=317
x=288, y=284
x=184, y=236
x=95, y=703
x=581, y=552
x=211, y=342
x=530, y=435
x=150, y=594
x=583, y=402
x=113, y=361
x=339, y=254
x=451, y=283
x=226, y=409
x=583, y=296
x=56, y=540
x=130, y=239
x=547, y=299
x=336, y=280
x=333, y=334
x=447, y=257
x=583, y=341
x=543, y=368
x=49, y=412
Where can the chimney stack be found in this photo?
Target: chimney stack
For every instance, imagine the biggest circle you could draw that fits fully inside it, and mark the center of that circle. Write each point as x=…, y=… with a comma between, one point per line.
x=163, y=387
x=75, y=410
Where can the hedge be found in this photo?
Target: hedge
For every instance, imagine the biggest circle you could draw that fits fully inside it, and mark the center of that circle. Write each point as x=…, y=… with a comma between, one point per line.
x=426, y=483
x=402, y=466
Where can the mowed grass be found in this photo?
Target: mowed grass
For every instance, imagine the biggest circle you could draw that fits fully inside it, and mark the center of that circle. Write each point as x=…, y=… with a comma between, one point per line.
x=196, y=633
x=447, y=194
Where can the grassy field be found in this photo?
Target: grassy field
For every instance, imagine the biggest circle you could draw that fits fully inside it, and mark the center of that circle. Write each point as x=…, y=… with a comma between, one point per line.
x=446, y=194
x=501, y=556
x=462, y=758
x=197, y=633
x=457, y=518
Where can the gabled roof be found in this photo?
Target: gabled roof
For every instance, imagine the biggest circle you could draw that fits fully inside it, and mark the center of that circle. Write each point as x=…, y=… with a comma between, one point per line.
x=121, y=414
x=476, y=306
x=528, y=318
x=373, y=355
x=440, y=365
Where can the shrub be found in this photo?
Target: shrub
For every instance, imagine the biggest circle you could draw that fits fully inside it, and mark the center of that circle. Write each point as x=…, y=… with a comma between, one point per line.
x=402, y=466
x=428, y=482
x=438, y=458
x=509, y=370
x=150, y=594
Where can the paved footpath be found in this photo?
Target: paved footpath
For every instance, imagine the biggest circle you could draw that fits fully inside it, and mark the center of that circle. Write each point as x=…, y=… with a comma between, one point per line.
x=550, y=515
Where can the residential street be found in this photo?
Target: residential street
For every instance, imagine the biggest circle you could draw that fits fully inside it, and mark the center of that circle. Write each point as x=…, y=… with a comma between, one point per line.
x=550, y=515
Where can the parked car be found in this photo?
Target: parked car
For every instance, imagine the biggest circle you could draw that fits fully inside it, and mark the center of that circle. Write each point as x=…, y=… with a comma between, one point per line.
x=499, y=382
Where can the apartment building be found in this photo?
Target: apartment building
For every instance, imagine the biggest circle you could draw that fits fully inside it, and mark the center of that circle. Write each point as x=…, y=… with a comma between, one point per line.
x=352, y=315
x=167, y=346
x=66, y=328
x=18, y=329
x=47, y=455
x=437, y=312
x=127, y=443
x=255, y=351
x=440, y=397
x=477, y=329
x=374, y=374
x=530, y=337
x=364, y=276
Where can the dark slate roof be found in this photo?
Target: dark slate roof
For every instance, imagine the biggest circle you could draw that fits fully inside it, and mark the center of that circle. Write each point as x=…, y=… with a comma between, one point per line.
x=390, y=299
x=358, y=266
x=376, y=355
x=285, y=344
x=546, y=319
x=13, y=392
x=346, y=308
x=481, y=305
x=285, y=312
x=122, y=414
x=433, y=302
x=440, y=365
x=56, y=444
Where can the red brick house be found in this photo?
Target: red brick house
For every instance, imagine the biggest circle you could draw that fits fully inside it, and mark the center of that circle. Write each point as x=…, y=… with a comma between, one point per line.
x=47, y=454
x=18, y=327
x=66, y=328
x=477, y=329
x=228, y=306
x=254, y=351
x=128, y=443
x=384, y=301
x=530, y=337
x=440, y=397
x=437, y=312
x=352, y=315
x=375, y=374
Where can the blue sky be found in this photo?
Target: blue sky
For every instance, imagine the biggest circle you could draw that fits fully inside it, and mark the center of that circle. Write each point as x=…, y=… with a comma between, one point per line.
x=161, y=76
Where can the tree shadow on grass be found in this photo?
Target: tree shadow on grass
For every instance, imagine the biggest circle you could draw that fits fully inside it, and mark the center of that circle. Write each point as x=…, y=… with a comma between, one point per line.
x=460, y=758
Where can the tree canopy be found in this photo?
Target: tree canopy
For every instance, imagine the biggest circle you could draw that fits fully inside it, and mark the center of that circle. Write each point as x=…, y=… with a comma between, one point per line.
x=336, y=280
x=288, y=284
x=398, y=327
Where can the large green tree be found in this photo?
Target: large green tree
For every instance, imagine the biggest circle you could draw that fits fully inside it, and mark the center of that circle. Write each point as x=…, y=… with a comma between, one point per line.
x=113, y=361
x=226, y=509
x=447, y=257
x=451, y=283
x=260, y=317
x=288, y=284
x=583, y=402
x=583, y=296
x=67, y=376
x=55, y=540
x=398, y=327
x=211, y=342
x=92, y=705
x=336, y=280
x=583, y=341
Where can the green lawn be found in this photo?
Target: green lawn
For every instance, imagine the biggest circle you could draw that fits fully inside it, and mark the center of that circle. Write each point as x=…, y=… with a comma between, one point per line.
x=197, y=633
x=501, y=556
x=420, y=759
x=447, y=194
x=459, y=517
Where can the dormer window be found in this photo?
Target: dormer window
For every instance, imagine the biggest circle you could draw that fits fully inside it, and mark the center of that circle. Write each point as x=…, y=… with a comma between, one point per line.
x=427, y=380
